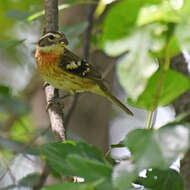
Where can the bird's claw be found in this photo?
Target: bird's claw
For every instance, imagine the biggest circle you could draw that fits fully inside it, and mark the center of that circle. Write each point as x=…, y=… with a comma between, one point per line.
x=55, y=101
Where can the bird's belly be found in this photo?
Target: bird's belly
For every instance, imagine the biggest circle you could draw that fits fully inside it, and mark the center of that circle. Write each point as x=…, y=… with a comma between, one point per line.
x=63, y=80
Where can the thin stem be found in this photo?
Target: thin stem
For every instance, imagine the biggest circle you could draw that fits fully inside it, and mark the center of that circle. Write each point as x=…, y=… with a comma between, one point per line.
x=149, y=119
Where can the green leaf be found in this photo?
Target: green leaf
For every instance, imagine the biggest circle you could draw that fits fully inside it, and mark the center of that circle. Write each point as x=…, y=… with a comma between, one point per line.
x=89, y=169
x=158, y=149
x=60, y=7
x=69, y=186
x=16, y=146
x=10, y=44
x=77, y=159
x=162, y=180
x=164, y=12
x=137, y=61
x=183, y=36
x=17, y=14
x=174, y=84
x=120, y=20
x=13, y=105
x=123, y=175
x=29, y=180
x=4, y=90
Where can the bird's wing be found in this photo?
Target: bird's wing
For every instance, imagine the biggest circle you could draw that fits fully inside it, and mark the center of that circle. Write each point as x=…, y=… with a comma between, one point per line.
x=79, y=67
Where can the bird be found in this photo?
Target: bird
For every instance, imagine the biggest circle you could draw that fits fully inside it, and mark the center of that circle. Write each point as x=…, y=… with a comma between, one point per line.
x=64, y=70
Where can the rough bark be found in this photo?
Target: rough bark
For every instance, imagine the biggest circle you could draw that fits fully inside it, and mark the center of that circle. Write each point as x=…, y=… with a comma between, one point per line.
x=182, y=104
x=55, y=111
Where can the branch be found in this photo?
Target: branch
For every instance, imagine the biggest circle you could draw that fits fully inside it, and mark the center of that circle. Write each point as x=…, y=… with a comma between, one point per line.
x=182, y=104
x=56, y=111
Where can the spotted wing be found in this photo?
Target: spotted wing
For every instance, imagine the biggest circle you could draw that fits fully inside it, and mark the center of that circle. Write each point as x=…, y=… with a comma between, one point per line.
x=75, y=65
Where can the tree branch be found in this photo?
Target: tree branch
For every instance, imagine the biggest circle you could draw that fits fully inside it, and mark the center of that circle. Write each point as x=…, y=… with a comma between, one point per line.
x=182, y=104
x=56, y=111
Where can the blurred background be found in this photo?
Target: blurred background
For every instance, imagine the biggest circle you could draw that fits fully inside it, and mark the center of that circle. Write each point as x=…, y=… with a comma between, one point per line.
x=24, y=121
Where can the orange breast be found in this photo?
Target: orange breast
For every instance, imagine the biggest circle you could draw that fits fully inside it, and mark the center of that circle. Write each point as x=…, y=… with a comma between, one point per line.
x=50, y=71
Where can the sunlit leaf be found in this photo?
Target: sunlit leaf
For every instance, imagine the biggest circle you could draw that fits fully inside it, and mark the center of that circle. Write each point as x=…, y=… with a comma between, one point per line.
x=60, y=7
x=162, y=179
x=174, y=84
x=162, y=12
x=137, y=61
x=120, y=20
x=182, y=35
x=160, y=148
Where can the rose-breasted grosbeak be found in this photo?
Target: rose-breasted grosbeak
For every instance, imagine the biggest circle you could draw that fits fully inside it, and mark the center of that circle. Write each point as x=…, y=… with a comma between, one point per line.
x=64, y=70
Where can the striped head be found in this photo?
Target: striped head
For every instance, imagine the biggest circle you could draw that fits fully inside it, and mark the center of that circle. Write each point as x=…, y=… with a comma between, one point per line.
x=52, y=42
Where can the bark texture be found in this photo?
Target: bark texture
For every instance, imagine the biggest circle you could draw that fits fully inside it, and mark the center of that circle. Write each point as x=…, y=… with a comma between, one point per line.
x=182, y=104
x=55, y=111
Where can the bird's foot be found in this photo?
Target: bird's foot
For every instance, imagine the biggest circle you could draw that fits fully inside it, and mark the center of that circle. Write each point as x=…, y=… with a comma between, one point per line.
x=56, y=101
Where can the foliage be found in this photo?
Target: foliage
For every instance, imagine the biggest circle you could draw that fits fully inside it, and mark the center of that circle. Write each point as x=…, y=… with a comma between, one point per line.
x=145, y=45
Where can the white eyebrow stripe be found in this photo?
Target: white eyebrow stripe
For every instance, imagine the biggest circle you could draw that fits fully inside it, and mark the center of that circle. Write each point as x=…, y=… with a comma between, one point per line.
x=48, y=34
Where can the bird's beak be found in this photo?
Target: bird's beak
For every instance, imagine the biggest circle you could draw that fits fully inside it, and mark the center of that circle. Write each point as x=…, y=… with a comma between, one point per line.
x=64, y=41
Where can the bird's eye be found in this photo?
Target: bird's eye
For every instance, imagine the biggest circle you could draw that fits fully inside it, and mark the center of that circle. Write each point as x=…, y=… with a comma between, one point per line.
x=51, y=37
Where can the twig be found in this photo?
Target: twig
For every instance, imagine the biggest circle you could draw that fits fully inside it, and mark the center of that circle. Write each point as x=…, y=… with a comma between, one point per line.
x=42, y=179
x=87, y=35
x=56, y=111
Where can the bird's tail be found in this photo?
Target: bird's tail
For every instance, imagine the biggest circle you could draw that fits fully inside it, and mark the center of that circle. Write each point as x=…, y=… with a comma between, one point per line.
x=113, y=99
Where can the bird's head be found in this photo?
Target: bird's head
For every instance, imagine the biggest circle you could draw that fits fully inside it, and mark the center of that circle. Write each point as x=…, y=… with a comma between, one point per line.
x=52, y=42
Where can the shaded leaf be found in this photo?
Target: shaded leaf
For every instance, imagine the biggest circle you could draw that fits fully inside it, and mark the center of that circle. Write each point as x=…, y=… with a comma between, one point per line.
x=10, y=44
x=17, y=14
x=29, y=180
x=162, y=179
x=69, y=186
x=89, y=169
x=77, y=159
x=174, y=84
x=16, y=146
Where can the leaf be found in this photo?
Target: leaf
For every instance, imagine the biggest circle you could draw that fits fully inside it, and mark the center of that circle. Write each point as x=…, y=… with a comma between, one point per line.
x=174, y=84
x=60, y=7
x=13, y=105
x=158, y=149
x=69, y=186
x=120, y=20
x=77, y=159
x=10, y=44
x=183, y=36
x=164, y=12
x=123, y=175
x=162, y=180
x=16, y=146
x=4, y=90
x=137, y=61
x=17, y=14
x=89, y=169
x=29, y=180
